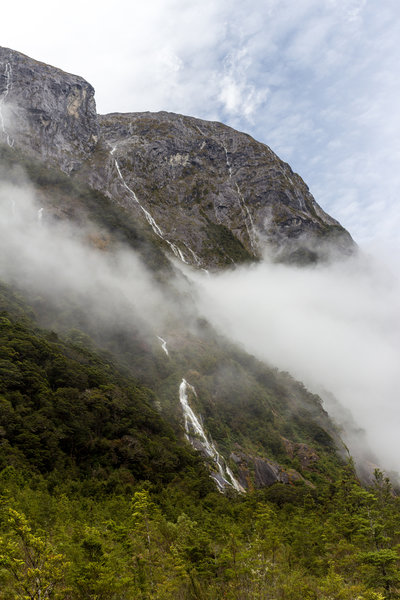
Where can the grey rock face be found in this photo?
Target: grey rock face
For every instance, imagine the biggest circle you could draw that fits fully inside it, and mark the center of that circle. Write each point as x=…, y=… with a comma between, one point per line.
x=218, y=194
x=213, y=195
x=46, y=112
x=262, y=472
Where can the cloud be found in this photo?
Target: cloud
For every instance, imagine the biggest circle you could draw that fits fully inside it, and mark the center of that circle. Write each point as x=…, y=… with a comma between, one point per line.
x=315, y=81
x=334, y=327
x=239, y=96
x=68, y=267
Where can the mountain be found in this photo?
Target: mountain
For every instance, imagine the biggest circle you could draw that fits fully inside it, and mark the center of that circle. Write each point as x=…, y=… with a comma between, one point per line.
x=143, y=454
x=213, y=195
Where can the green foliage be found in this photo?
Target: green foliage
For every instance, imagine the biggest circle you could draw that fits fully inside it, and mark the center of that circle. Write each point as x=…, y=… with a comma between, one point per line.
x=123, y=545
x=64, y=409
x=101, y=497
x=29, y=566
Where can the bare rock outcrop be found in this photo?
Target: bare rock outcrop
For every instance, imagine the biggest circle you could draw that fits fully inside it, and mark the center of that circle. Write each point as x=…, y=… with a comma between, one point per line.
x=46, y=112
x=212, y=195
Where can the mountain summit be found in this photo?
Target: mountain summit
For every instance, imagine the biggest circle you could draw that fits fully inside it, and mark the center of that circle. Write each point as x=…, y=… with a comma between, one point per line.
x=212, y=195
x=174, y=189
x=144, y=453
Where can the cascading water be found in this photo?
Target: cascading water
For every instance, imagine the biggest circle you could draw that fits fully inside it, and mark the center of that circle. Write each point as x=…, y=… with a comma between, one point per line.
x=163, y=345
x=228, y=164
x=251, y=232
x=196, y=258
x=196, y=435
x=8, y=77
x=157, y=230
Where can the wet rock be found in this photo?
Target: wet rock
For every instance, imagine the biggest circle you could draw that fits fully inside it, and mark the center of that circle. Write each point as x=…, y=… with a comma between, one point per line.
x=46, y=112
x=257, y=472
x=215, y=196
x=306, y=455
x=217, y=193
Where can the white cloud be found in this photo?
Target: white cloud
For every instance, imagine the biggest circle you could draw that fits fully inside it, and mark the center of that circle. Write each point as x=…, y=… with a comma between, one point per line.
x=240, y=98
x=58, y=260
x=335, y=327
x=317, y=81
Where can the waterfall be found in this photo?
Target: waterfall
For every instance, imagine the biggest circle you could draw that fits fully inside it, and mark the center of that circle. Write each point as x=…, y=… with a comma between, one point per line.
x=8, y=77
x=247, y=218
x=196, y=435
x=157, y=230
x=163, y=345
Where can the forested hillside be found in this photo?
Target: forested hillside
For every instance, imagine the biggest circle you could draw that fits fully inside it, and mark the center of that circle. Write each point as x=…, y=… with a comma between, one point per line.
x=101, y=499
x=144, y=454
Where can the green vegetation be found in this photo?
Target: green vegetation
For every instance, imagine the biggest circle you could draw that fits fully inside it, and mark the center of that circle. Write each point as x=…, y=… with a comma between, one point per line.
x=99, y=498
x=66, y=412
x=68, y=540
x=225, y=245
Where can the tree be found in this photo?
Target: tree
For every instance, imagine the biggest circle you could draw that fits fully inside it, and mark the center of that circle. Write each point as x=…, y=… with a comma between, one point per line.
x=33, y=569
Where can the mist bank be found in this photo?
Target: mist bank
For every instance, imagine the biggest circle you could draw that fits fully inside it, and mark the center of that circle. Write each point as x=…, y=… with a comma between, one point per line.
x=336, y=327
x=74, y=269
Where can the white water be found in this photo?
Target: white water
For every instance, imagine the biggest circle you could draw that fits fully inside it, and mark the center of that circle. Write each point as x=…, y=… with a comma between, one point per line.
x=176, y=251
x=163, y=345
x=8, y=76
x=245, y=211
x=228, y=164
x=196, y=258
x=157, y=230
x=40, y=215
x=247, y=218
x=195, y=430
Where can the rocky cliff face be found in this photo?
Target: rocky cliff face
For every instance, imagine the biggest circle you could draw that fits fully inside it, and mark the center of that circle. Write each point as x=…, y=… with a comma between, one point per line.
x=214, y=196
x=170, y=185
x=219, y=195
x=46, y=112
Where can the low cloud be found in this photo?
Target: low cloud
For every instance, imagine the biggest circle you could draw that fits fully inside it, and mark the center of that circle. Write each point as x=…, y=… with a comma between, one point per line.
x=315, y=81
x=47, y=257
x=335, y=327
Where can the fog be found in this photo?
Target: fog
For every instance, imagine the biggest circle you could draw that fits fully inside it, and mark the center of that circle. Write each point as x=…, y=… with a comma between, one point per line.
x=336, y=327
x=61, y=262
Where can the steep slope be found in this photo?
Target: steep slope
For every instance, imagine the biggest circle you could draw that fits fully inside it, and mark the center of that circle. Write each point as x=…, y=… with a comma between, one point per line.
x=218, y=194
x=164, y=185
x=46, y=112
x=65, y=409
x=261, y=423
x=101, y=500
x=121, y=421
x=214, y=196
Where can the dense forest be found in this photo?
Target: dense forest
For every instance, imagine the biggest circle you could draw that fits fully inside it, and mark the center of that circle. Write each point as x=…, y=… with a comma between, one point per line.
x=102, y=499
x=102, y=495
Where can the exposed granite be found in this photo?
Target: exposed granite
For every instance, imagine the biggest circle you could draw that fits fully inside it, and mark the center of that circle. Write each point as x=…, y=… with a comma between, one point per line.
x=215, y=196
x=46, y=112
x=217, y=193
x=258, y=472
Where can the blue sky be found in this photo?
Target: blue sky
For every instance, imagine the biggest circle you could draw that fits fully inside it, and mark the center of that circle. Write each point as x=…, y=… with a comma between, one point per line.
x=319, y=82
x=316, y=80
